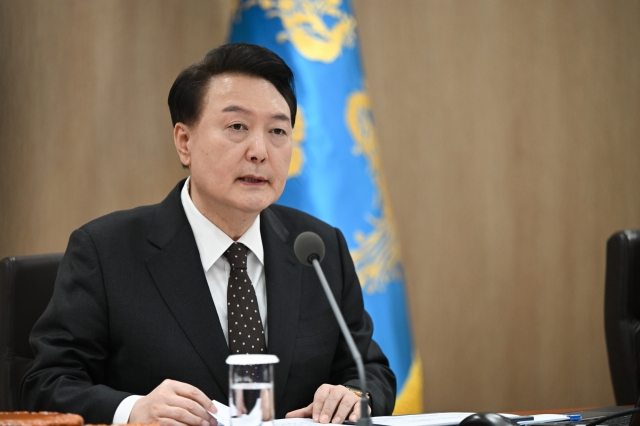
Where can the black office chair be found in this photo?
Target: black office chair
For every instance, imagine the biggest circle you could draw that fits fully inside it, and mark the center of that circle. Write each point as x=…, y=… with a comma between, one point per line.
x=26, y=286
x=622, y=314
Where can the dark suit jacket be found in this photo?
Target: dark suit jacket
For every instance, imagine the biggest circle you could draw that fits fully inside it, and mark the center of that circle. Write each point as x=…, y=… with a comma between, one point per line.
x=131, y=307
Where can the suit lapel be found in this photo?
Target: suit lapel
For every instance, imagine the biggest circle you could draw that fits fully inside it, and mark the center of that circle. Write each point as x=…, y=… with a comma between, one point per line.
x=282, y=277
x=177, y=272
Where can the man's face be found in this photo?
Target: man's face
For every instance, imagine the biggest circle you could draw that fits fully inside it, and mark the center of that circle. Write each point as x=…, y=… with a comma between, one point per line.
x=239, y=151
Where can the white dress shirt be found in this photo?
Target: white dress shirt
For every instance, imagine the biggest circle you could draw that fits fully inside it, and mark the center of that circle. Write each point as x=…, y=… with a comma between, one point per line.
x=212, y=243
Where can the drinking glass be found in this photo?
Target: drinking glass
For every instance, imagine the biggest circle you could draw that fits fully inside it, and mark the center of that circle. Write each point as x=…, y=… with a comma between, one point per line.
x=251, y=398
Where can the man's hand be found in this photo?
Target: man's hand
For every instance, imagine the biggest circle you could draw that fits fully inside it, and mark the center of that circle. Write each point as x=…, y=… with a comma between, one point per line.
x=331, y=404
x=172, y=404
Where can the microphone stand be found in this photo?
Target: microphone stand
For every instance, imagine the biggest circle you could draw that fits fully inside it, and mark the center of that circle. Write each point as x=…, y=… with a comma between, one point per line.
x=365, y=418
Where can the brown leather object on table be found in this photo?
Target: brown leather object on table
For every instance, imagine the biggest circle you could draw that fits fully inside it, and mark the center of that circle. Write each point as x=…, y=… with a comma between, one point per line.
x=43, y=418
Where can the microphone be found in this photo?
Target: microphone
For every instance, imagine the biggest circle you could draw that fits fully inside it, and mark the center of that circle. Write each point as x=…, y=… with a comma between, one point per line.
x=309, y=249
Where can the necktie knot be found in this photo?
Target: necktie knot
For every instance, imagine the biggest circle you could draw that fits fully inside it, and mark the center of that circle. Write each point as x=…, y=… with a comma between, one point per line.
x=236, y=254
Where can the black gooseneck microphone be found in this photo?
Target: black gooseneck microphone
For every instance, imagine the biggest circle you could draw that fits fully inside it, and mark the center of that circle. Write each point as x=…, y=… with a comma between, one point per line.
x=309, y=249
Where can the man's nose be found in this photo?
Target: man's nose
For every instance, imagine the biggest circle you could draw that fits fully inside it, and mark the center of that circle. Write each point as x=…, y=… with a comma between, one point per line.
x=257, y=151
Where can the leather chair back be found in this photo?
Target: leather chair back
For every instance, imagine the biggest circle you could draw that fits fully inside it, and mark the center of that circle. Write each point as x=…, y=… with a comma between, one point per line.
x=26, y=286
x=622, y=314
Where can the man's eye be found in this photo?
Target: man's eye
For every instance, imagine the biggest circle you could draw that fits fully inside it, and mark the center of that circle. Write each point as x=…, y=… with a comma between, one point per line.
x=237, y=126
x=279, y=131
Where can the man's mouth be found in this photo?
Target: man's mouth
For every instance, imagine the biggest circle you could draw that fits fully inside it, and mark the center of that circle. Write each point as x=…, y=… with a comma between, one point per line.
x=251, y=179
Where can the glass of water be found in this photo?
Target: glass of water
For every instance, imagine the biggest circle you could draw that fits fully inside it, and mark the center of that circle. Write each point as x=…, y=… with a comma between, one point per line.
x=251, y=398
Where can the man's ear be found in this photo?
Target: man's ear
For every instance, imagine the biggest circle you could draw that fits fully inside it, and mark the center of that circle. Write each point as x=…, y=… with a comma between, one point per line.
x=182, y=138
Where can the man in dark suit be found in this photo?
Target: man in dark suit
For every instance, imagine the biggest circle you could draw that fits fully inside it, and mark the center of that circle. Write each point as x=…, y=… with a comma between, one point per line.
x=141, y=321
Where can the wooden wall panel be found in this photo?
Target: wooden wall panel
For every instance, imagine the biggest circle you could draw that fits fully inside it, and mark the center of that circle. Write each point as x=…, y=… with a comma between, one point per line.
x=510, y=136
x=84, y=126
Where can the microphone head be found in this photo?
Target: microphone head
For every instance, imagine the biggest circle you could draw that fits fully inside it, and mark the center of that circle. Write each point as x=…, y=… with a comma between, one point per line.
x=307, y=245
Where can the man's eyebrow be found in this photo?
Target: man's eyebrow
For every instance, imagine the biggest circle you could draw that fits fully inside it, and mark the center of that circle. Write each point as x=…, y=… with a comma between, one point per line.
x=281, y=117
x=237, y=108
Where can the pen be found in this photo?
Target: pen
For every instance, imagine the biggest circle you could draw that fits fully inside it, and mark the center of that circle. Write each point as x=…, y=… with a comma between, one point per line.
x=521, y=419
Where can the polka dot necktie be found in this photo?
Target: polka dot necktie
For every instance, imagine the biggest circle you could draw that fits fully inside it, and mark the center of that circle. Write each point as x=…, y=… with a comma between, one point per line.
x=246, y=334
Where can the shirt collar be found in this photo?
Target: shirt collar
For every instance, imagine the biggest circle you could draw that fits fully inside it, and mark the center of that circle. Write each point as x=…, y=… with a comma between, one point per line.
x=211, y=240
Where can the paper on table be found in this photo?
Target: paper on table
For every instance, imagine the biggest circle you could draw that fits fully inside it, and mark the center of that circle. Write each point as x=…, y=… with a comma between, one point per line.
x=431, y=419
x=545, y=418
x=223, y=414
x=293, y=422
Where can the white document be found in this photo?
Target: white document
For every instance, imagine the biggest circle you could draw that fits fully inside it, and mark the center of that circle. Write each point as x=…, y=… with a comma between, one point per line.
x=294, y=422
x=432, y=419
x=545, y=418
x=223, y=415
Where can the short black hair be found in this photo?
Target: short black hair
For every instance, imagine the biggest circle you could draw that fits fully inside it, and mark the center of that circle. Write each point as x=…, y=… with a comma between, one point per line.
x=187, y=93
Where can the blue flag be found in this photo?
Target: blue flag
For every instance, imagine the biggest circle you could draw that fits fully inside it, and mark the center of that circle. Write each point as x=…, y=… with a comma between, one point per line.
x=335, y=171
